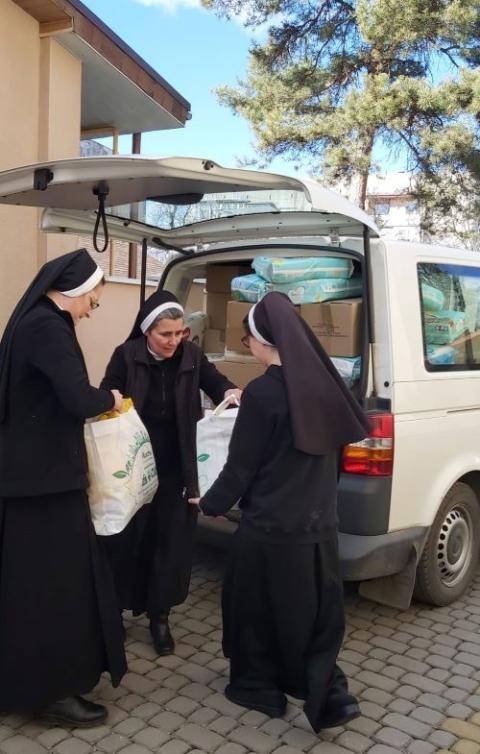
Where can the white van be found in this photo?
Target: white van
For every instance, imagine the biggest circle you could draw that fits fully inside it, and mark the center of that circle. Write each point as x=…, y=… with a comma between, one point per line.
x=409, y=495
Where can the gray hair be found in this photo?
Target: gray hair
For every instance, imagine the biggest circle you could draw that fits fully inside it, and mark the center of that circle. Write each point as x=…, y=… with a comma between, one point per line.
x=172, y=313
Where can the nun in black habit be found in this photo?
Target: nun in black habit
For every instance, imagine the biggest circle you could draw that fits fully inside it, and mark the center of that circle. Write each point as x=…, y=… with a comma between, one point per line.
x=283, y=614
x=59, y=626
x=163, y=374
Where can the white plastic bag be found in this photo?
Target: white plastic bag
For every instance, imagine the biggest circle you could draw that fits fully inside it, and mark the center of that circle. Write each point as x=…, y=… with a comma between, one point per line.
x=213, y=437
x=121, y=469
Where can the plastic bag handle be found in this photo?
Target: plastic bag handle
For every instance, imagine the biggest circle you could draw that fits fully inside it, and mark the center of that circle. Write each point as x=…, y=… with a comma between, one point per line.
x=223, y=405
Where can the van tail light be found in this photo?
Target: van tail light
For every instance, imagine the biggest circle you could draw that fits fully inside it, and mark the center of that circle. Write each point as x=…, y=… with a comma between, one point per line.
x=374, y=455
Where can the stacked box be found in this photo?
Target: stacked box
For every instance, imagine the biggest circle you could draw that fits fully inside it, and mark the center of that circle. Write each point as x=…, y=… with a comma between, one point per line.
x=240, y=372
x=337, y=325
x=214, y=341
x=219, y=278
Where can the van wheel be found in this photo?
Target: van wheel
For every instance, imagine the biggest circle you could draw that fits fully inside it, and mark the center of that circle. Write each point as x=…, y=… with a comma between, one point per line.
x=450, y=555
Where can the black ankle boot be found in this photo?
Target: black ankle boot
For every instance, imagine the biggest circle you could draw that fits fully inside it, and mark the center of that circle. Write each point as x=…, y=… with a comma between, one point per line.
x=162, y=638
x=340, y=711
x=76, y=711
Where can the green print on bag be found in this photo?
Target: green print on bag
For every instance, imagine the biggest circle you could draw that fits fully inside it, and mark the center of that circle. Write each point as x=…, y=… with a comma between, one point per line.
x=203, y=457
x=141, y=440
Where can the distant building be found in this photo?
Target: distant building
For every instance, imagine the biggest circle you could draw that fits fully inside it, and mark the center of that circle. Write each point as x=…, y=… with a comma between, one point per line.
x=395, y=209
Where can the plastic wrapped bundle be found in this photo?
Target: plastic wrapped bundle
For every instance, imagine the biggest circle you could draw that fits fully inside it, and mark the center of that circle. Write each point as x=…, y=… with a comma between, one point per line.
x=432, y=298
x=348, y=368
x=441, y=355
x=293, y=269
x=252, y=288
x=441, y=328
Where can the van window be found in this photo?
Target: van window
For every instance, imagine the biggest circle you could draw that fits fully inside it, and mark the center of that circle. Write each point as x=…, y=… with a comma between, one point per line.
x=168, y=215
x=450, y=298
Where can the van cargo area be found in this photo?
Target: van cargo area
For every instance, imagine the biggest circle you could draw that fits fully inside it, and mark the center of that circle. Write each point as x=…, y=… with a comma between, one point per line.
x=328, y=308
x=339, y=321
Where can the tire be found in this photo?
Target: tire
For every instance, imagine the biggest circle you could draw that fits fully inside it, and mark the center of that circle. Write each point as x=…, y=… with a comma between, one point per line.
x=450, y=556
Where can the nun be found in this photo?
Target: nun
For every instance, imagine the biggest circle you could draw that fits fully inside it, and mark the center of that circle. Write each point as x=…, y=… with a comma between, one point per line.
x=59, y=626
x=163, y=373
x=283, y=612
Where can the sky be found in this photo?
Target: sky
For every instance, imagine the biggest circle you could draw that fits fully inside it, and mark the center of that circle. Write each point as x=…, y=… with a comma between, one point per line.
x=195, y=52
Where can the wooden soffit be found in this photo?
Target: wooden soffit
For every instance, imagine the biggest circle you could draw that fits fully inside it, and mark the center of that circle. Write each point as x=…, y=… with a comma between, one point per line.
x=78, y=28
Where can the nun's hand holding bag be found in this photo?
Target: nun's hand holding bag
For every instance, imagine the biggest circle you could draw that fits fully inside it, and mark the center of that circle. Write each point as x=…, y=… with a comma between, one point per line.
x=213, y=438
x=121, y=468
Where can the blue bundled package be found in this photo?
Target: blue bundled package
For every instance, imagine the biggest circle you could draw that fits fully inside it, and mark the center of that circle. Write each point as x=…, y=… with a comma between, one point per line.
x=349, y=368
x=294, y=269
x=252, y=288
x=441, y=355
x=441, y=328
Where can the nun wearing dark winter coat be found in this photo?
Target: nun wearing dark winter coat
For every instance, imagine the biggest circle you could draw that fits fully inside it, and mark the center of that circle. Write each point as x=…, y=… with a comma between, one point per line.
x=59, y=622
x=163, y=374
x=283, y=615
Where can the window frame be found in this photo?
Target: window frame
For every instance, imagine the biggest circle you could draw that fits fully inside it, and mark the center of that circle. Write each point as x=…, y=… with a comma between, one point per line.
x=465, y=367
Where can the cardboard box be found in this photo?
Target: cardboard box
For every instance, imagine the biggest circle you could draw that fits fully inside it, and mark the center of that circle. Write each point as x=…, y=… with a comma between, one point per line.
x=220, y=276
x=245, y=358
x=217, y=310
x=214, y=341
x=240, y=373
x=236, y=311
x=337, y=325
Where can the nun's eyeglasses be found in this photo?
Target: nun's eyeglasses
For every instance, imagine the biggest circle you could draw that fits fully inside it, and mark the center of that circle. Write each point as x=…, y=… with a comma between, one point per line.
x=245, y=341
x=94, y=304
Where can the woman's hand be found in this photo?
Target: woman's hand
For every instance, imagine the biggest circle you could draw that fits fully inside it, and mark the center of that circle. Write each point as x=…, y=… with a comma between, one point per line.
x=118, y=405
x=194, y=500
x=235, y=394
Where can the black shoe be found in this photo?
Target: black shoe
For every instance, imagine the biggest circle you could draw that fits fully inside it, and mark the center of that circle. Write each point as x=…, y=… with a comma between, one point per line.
x=339, y=714
x=76, y=711
x=271, y=702
x=161, y=636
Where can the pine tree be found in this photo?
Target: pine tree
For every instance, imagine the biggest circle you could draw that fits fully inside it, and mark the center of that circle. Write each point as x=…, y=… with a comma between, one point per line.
x=334, y=78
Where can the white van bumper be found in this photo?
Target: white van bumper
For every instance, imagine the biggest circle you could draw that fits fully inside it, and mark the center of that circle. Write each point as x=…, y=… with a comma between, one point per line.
x=362, y=557
x=370, y=557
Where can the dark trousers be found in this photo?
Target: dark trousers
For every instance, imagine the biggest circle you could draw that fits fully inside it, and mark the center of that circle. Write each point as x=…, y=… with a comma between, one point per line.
x=59, y=623
x=283, y=620
x=152, y=558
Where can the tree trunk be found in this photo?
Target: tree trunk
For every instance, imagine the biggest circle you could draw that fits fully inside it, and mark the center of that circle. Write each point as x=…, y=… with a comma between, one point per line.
x=358, y=189
x=362, y=190
x=362, y=177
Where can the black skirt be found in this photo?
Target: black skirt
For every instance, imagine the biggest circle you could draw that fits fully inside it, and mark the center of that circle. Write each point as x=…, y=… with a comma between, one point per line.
x=152, y=558
x=283, y=620
x=59, y=624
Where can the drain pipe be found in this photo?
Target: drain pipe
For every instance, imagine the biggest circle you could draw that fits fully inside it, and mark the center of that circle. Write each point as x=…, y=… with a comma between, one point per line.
x=132, y=247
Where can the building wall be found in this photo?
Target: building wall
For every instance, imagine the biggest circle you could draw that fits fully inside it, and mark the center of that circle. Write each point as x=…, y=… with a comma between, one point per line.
x=40, y=86
x=59, y=124
x=397, y=216
x=19, y=120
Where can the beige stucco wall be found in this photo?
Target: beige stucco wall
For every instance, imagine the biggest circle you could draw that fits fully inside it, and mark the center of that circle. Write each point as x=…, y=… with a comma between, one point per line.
x=19, y=96
x=40, y=96
x=59, y=123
